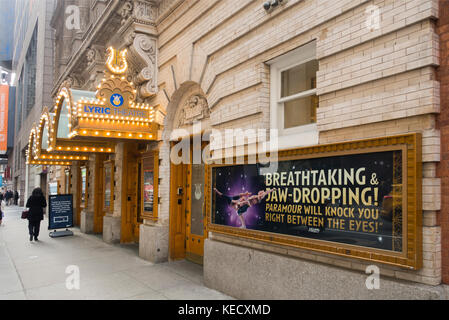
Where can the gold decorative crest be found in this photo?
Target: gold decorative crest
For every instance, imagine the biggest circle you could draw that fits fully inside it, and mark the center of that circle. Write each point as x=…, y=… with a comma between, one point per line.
x=116, y=62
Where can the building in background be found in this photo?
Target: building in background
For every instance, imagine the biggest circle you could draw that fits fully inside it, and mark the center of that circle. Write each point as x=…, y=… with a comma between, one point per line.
x=7, y=112
x=33, y=64
x=7, y=14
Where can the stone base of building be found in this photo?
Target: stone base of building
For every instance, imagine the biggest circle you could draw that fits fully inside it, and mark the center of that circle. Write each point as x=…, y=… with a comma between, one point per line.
x=112, y=227
x=87, y=222
x=233, y=270
x=153, y=243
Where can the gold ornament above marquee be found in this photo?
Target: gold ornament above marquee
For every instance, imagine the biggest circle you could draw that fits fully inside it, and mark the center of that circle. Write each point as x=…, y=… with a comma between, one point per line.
x=92, y=122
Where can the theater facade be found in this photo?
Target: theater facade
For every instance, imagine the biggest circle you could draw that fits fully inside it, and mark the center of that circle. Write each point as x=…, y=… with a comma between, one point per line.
x=290, y=149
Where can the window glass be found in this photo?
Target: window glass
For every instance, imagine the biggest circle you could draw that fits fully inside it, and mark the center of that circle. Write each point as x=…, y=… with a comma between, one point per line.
x=53, y=186
x=298, y=79
x=148, y=186
x=197, y=200
x=107, y=186
x=45, y=138
x=67, y=182
x=63, y=125
x=300, y=111
x=83, y=185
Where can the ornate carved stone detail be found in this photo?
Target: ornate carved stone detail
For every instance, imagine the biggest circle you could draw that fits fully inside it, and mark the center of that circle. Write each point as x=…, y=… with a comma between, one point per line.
x=90, y=56
x=144, y=54
x=69, y=82
x=145, y=11
x=129, y=38
x=73, y=81
x=94, y=55
x=194, y=109
x=126, y=11
x=140, y=11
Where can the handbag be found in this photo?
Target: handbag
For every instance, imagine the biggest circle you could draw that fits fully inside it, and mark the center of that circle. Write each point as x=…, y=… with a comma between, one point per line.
x=25, y=214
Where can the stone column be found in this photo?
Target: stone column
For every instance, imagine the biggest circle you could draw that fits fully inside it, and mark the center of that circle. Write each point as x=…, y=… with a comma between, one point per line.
x=75, y=182
x=26, y=195
x=154, y=236
x=112, y=224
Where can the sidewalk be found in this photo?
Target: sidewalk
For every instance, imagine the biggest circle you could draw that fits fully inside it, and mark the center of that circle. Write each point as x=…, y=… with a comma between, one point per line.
x=37, y=270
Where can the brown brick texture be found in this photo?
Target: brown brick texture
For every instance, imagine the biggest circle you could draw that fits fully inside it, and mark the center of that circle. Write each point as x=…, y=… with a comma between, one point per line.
x=443, y=124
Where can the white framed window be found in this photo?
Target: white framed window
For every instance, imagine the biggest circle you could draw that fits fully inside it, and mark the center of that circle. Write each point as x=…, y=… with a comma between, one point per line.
x=294, y=102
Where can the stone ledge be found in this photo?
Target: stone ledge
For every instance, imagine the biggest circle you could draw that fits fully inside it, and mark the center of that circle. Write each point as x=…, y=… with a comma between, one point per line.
x=233, y=269
x=87, y=222
x=112, y=227
x=153, y=243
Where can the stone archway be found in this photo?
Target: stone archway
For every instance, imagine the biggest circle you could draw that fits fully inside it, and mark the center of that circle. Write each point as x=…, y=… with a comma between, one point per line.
x=190, y=116
x=188, y=105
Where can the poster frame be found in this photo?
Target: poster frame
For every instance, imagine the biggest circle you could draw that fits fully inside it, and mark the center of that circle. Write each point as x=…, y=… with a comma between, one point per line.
x=411, y=255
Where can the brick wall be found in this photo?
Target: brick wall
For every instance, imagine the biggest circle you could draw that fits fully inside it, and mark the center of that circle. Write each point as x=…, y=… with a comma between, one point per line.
x=443, y=125
x=371, y=83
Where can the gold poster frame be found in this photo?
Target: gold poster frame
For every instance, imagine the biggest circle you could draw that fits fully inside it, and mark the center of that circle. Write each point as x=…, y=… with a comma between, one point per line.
x=154, y=215
x=411, y=255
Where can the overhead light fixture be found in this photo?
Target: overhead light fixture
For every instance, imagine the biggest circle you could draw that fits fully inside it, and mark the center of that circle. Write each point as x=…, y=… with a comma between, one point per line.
x=267, y=5
x=272, y=4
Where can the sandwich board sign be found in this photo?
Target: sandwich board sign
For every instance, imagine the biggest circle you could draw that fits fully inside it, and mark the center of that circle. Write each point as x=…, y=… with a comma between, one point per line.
x=60, y=214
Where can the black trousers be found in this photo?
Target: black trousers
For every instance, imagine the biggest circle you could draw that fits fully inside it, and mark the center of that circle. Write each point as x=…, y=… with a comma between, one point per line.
x=34, y=227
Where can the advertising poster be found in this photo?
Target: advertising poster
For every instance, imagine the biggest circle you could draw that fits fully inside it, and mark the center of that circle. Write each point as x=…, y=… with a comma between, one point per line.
x=53, y=188
x=148, y=189
x=60, y=212
x=83, y=185
x=4, y=105
x=352, y=199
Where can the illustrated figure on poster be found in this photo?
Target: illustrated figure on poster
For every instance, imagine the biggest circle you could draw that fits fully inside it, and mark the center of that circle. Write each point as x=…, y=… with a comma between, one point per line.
x=243, y=201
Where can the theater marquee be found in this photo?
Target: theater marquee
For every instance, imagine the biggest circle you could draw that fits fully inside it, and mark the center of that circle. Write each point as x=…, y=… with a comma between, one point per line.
x=86, y=122
x=360, y=199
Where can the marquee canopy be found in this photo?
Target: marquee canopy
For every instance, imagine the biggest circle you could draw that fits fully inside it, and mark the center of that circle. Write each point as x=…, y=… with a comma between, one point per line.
x=85, y=122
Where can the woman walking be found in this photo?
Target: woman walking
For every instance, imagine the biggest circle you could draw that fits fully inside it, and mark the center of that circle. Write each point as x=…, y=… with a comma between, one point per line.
x=16, y=198
x=36, y=203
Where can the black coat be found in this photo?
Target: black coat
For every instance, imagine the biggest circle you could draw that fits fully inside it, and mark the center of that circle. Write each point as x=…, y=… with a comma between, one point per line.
x=36, y=205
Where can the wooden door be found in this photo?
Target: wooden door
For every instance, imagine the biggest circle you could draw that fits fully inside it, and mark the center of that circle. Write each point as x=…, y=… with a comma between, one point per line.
x=99, y=189
x=178, y=205
x=130, y=217
x=195, y=213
